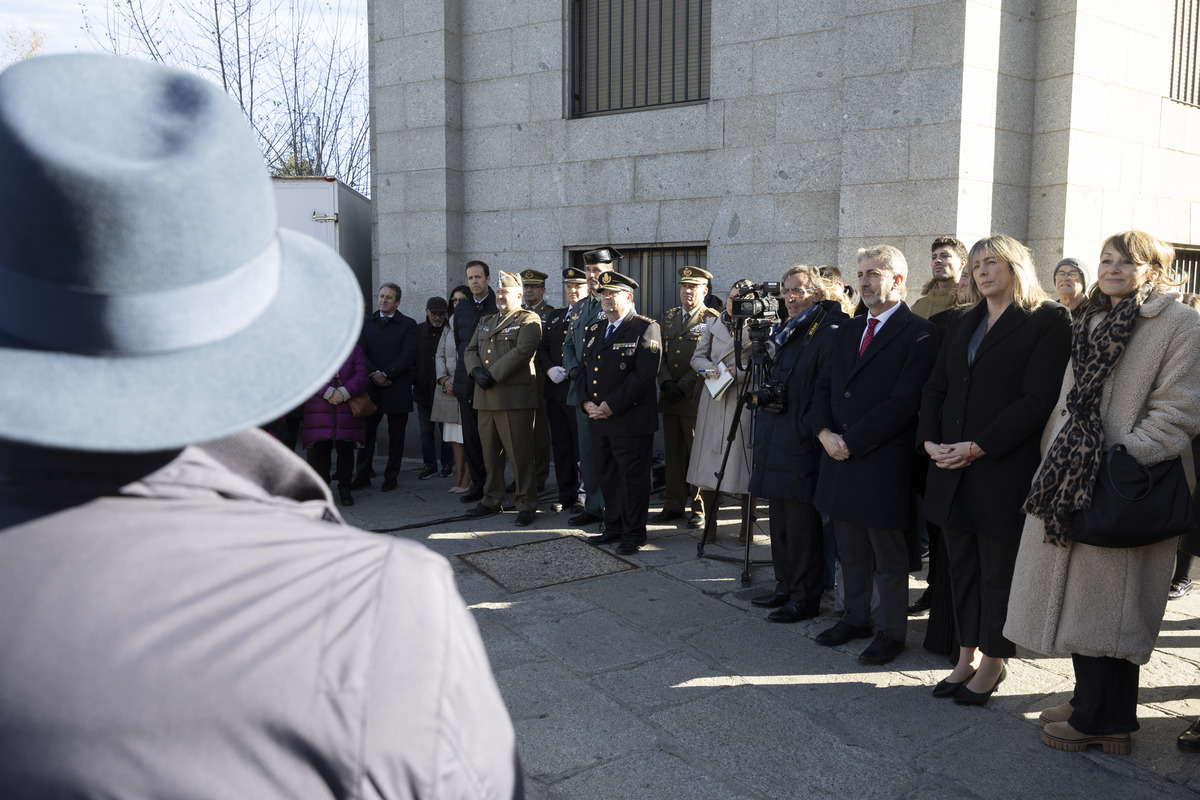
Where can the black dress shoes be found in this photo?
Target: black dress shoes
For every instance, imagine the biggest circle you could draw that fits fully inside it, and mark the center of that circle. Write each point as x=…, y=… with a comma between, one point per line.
x=881, y=651
x=361, y=482
x=524, y=518
x=628, y=548
x=473, y=496
x=605, y=538
x=842, y=633
x=583, y=518
x=949, y=688
x=965, y=697
x=1189, y=740
x=576, y=508
x=775, y=599
x=696, y=522
x=346, y=497
x=795, y=611
x=480, y=510
x=389, y=485
x=921, y=604
x=666, y=516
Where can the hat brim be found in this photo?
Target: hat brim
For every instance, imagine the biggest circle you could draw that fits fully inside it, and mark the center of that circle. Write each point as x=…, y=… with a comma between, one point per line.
x=169, y=400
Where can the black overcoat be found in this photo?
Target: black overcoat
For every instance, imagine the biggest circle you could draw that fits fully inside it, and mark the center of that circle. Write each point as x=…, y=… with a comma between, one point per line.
x=872, y=403
x=390, y=345
x=787, y=455
x=1001, y=402
x=550, y=352
x=464, y=320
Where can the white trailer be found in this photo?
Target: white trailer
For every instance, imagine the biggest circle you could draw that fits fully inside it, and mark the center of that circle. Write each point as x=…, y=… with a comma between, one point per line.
x=331, y=212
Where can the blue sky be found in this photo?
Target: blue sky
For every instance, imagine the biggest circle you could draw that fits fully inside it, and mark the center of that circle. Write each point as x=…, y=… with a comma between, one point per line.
x=60, y=20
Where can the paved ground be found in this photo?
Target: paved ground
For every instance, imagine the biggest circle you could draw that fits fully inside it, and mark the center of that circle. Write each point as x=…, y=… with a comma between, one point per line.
x=656, y=678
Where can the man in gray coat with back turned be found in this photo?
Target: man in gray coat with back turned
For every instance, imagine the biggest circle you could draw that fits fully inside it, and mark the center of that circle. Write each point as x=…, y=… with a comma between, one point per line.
x=181, y=619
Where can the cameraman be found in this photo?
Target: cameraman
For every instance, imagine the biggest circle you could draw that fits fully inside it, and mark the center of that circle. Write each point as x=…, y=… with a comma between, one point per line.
x=786, y=452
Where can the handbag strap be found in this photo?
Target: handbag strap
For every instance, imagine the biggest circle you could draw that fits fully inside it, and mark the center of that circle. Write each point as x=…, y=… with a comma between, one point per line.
x=1112, y=451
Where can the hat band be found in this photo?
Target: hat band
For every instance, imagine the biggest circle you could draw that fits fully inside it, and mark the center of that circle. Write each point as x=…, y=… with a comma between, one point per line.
x=79, y=320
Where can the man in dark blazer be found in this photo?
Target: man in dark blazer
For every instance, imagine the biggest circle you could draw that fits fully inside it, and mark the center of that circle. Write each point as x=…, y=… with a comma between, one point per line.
x=617, y=385
x=533, y=283
x=564, y=427
x=865, y=415
x=466, y=316
x=584, y=313
x=499, y=359
x=389, y=342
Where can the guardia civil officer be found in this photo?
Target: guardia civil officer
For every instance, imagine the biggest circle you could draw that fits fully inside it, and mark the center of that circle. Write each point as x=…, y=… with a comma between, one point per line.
x=499, y=359
x=564, y=427
x=584, y=313
x=534, y=284
x=616, y=384
x=681, y=329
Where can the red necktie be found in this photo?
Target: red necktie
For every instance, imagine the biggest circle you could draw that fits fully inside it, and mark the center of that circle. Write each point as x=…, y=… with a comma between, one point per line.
x=871, y=323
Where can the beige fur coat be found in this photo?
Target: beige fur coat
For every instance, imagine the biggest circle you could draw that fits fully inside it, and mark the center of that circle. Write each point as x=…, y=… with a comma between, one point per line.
x=1098, y=601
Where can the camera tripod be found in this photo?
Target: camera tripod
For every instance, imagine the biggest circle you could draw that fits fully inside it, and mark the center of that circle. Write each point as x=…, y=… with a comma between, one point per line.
x=756, y=372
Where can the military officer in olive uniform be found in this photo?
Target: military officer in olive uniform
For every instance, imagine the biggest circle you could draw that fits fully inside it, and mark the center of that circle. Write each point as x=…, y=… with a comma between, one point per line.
x=677, y=380
x=534, y=283
x=617, y=387
x=584, y=313
x=564, y=427
x=499, y=359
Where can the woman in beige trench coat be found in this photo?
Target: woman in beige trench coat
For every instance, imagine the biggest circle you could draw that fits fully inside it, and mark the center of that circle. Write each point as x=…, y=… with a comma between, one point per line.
x=715, y=417
x=1104, y=606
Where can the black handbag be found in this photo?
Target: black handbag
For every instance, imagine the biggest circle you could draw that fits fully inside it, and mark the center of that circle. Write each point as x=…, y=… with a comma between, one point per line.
x=1134, y=505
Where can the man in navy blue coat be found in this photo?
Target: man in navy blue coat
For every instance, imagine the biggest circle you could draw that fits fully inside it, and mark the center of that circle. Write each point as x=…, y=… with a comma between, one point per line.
x=467, y=315
x=389, y=341
x=865, y=415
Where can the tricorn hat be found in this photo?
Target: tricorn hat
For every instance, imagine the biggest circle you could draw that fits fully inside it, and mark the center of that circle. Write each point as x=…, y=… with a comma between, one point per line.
x=601, y=255
x=148, y=298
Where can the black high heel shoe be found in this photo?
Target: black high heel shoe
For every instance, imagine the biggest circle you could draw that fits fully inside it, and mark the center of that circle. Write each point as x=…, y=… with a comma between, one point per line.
x=965, y=697
x=950, y=688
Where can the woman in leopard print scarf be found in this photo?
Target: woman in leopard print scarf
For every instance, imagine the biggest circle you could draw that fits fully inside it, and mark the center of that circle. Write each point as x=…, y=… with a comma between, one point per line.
x=1064, y=482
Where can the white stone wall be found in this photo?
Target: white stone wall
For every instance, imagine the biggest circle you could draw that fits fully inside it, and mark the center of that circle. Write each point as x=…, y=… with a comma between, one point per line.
x=832, y=124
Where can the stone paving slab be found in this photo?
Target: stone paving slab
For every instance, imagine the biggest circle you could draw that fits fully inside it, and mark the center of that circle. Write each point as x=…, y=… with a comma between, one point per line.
x=664, y=682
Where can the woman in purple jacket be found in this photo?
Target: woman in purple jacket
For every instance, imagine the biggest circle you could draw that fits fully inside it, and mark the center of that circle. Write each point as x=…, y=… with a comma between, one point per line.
x=328, y=422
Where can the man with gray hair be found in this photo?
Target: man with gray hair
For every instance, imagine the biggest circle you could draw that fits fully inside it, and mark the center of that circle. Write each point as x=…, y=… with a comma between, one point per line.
x=182, y=609
x=865, y=414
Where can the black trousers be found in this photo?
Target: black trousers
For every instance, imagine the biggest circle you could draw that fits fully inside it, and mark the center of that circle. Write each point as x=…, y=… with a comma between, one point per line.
x=471, y=443
x=1106, y=693
x=397, y=424
x=564, y=436
x=874, y=557
x=624, y=466
x=797, y=549
x=981, y=570
x=320, y=458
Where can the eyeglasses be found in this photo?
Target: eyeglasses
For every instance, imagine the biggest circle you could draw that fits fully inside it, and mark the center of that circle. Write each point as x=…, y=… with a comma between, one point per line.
x=1068, y=273
x=799, y=292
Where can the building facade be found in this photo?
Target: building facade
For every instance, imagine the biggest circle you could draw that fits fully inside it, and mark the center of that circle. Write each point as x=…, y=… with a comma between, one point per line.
x=750, y=136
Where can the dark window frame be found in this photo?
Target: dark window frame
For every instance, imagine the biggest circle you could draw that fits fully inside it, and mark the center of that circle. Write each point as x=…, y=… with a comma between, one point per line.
x=661, y=50
x=655, y=268
x=1185, y=53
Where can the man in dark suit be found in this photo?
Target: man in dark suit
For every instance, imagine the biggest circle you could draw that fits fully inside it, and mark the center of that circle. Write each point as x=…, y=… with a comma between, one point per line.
x=466, y=316
x=584, y=313
x=499, y=359
x=564, y=427
x=616, y=385
x=389, y=342
x=534, y=284
x=865, y=415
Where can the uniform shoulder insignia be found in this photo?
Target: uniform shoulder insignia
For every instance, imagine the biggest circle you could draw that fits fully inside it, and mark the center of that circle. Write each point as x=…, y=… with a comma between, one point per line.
x=643, y=318
x=653, y=345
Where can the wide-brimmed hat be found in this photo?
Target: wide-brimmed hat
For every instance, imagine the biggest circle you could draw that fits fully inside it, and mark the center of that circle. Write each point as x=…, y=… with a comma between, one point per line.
x=148, y=298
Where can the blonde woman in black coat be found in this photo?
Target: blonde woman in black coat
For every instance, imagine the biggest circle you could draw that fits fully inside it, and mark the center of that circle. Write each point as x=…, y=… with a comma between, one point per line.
x=987, y=400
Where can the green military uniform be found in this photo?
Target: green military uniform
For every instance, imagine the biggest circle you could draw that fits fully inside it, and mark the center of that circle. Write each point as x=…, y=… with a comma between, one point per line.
x=504, y=345
x=681, y=330
x=541, y=423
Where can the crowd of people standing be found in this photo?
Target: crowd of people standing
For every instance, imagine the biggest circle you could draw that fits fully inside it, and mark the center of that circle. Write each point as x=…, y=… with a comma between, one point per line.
x=975, y=418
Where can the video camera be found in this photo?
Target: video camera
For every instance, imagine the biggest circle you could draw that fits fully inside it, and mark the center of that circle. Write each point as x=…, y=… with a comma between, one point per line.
x=757, y=301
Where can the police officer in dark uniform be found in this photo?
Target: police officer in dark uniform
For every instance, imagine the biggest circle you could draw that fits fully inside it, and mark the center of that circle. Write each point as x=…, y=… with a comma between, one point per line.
x=535, y=300
x=564, y=427
x=681, y=330
x=616, y=387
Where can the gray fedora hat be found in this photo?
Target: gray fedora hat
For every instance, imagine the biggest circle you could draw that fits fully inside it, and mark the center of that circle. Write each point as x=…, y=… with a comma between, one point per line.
x=148, y=298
